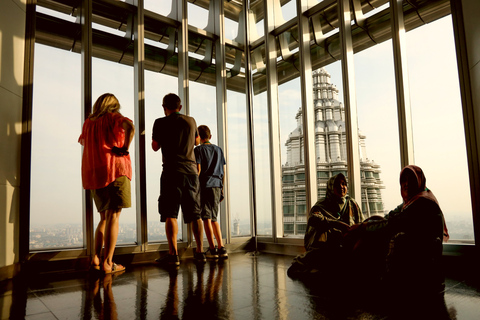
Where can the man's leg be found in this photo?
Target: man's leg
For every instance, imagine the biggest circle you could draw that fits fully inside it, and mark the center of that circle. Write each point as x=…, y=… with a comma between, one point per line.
x=111, y=233
x=171, y=229
x=197, y=228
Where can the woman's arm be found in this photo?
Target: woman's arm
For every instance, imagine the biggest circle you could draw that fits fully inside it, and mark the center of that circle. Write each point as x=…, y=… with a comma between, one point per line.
x=129, y=133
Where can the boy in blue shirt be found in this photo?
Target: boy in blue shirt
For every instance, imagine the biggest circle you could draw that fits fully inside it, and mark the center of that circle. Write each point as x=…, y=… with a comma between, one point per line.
x=210, y=164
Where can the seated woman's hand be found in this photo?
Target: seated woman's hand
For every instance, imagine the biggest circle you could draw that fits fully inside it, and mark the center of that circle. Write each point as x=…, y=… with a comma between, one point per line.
x=354, y=230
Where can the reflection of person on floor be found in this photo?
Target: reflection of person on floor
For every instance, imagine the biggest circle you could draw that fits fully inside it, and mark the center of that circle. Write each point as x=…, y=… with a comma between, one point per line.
x=107, y=171
x=106, y=309
x=202, y=300
x=170, y=311
x=328, y=220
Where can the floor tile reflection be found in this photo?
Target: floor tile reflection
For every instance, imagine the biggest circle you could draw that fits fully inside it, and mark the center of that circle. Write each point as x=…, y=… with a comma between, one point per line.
x=241, y=287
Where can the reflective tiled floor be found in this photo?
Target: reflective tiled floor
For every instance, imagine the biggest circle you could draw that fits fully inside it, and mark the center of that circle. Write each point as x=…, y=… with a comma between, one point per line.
x=242, y=287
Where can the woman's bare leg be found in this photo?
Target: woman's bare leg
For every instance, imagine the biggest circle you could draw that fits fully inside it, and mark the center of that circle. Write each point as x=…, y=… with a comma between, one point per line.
x=99, y=236
x=112, y=218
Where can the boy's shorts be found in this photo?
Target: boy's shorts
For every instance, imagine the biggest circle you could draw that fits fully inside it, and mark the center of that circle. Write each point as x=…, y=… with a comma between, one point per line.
x=210, y=198
x=115, y=196
x=179, y=189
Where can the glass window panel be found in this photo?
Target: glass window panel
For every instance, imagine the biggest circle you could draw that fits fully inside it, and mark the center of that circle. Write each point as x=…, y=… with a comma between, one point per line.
x=262, y=165
x=289, y=10
x=203, y=107
x=231, y=29
x=292, y=153
x=378, y=129
x=257, y=29
x=117, y=79
x=56, y=156
x=238, y=160
x=56, y=14
x=438, y=131
x=197, y=16
x=262, y=146
x=162, y=7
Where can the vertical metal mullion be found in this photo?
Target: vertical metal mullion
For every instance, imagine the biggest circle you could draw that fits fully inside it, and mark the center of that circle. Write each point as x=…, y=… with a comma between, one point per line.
x=139, y=98
x=183, y=90
x=401, y=83
x=273, y=119
x=349, y=96
x=221, y=92
x=86, y=56
x=249, y=100
x=26, y=142
x=308, y=112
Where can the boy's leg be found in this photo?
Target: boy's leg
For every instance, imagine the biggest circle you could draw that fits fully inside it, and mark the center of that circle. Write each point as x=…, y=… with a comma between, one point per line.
x=209, y=233
x=171, y=229
x=218, y=233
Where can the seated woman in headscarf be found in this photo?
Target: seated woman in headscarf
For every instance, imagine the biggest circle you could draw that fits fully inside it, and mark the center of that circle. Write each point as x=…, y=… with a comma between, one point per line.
x=405, y=247
x=327, y=221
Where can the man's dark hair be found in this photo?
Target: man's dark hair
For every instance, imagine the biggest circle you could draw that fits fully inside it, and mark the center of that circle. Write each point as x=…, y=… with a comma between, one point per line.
x=171, y=101
x=204, y=132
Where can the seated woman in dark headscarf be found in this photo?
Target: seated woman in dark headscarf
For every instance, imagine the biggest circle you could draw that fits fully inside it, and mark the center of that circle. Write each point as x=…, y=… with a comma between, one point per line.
x=328, y=220
x=405, y=247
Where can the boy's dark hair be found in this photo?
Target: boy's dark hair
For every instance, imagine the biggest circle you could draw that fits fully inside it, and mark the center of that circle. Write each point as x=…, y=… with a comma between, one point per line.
x=171, y=101
x=204, y=132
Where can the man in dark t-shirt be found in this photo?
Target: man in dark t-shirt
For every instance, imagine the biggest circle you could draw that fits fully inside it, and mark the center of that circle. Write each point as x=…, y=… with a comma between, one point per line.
x=176, y=135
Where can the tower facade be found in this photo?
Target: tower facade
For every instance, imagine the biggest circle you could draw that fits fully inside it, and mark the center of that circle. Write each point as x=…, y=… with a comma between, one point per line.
x=331, y=158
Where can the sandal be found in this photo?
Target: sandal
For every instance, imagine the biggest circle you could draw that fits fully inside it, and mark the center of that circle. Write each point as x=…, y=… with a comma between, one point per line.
x=95, y=267
x=115, y=268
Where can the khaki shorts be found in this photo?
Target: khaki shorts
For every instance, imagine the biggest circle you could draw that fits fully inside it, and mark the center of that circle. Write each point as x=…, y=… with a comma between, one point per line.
x=115, y=196
x=210, y=198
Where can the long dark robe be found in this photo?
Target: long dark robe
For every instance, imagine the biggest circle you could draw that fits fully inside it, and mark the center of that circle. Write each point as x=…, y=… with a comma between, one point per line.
x=328, y=220
x=403, y=250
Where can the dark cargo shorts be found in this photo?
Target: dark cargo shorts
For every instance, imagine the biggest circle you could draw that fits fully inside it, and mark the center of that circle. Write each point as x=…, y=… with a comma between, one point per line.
x=179, y=189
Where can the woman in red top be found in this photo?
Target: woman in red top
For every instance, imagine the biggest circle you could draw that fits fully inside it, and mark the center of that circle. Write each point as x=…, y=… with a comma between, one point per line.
x=107, y=172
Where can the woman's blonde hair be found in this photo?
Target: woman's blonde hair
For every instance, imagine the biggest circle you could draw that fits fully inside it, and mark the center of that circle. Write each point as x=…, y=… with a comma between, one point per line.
x=107, y=102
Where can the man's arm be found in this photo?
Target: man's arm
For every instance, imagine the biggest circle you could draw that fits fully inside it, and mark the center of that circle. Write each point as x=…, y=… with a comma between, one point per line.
x=199, y=168
x=155, y=145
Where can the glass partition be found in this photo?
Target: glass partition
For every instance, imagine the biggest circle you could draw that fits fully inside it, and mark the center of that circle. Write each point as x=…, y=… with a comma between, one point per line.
x=56, y=215
x=261, y=145
x=378, y=129
x=438, y=130
x=292, y=155
x=238, y=160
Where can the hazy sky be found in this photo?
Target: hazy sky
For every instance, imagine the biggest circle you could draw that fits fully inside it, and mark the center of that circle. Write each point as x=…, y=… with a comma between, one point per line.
x=436, y=112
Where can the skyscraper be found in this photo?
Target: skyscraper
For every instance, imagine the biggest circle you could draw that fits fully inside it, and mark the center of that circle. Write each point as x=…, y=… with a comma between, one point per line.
x=331, y=158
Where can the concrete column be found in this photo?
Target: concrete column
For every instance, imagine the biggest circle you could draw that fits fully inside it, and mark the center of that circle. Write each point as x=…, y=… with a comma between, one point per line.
x=12, y=49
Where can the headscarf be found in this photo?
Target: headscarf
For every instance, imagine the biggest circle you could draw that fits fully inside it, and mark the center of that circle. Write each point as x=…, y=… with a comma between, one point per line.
x=341, y=208
x=417, y=189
